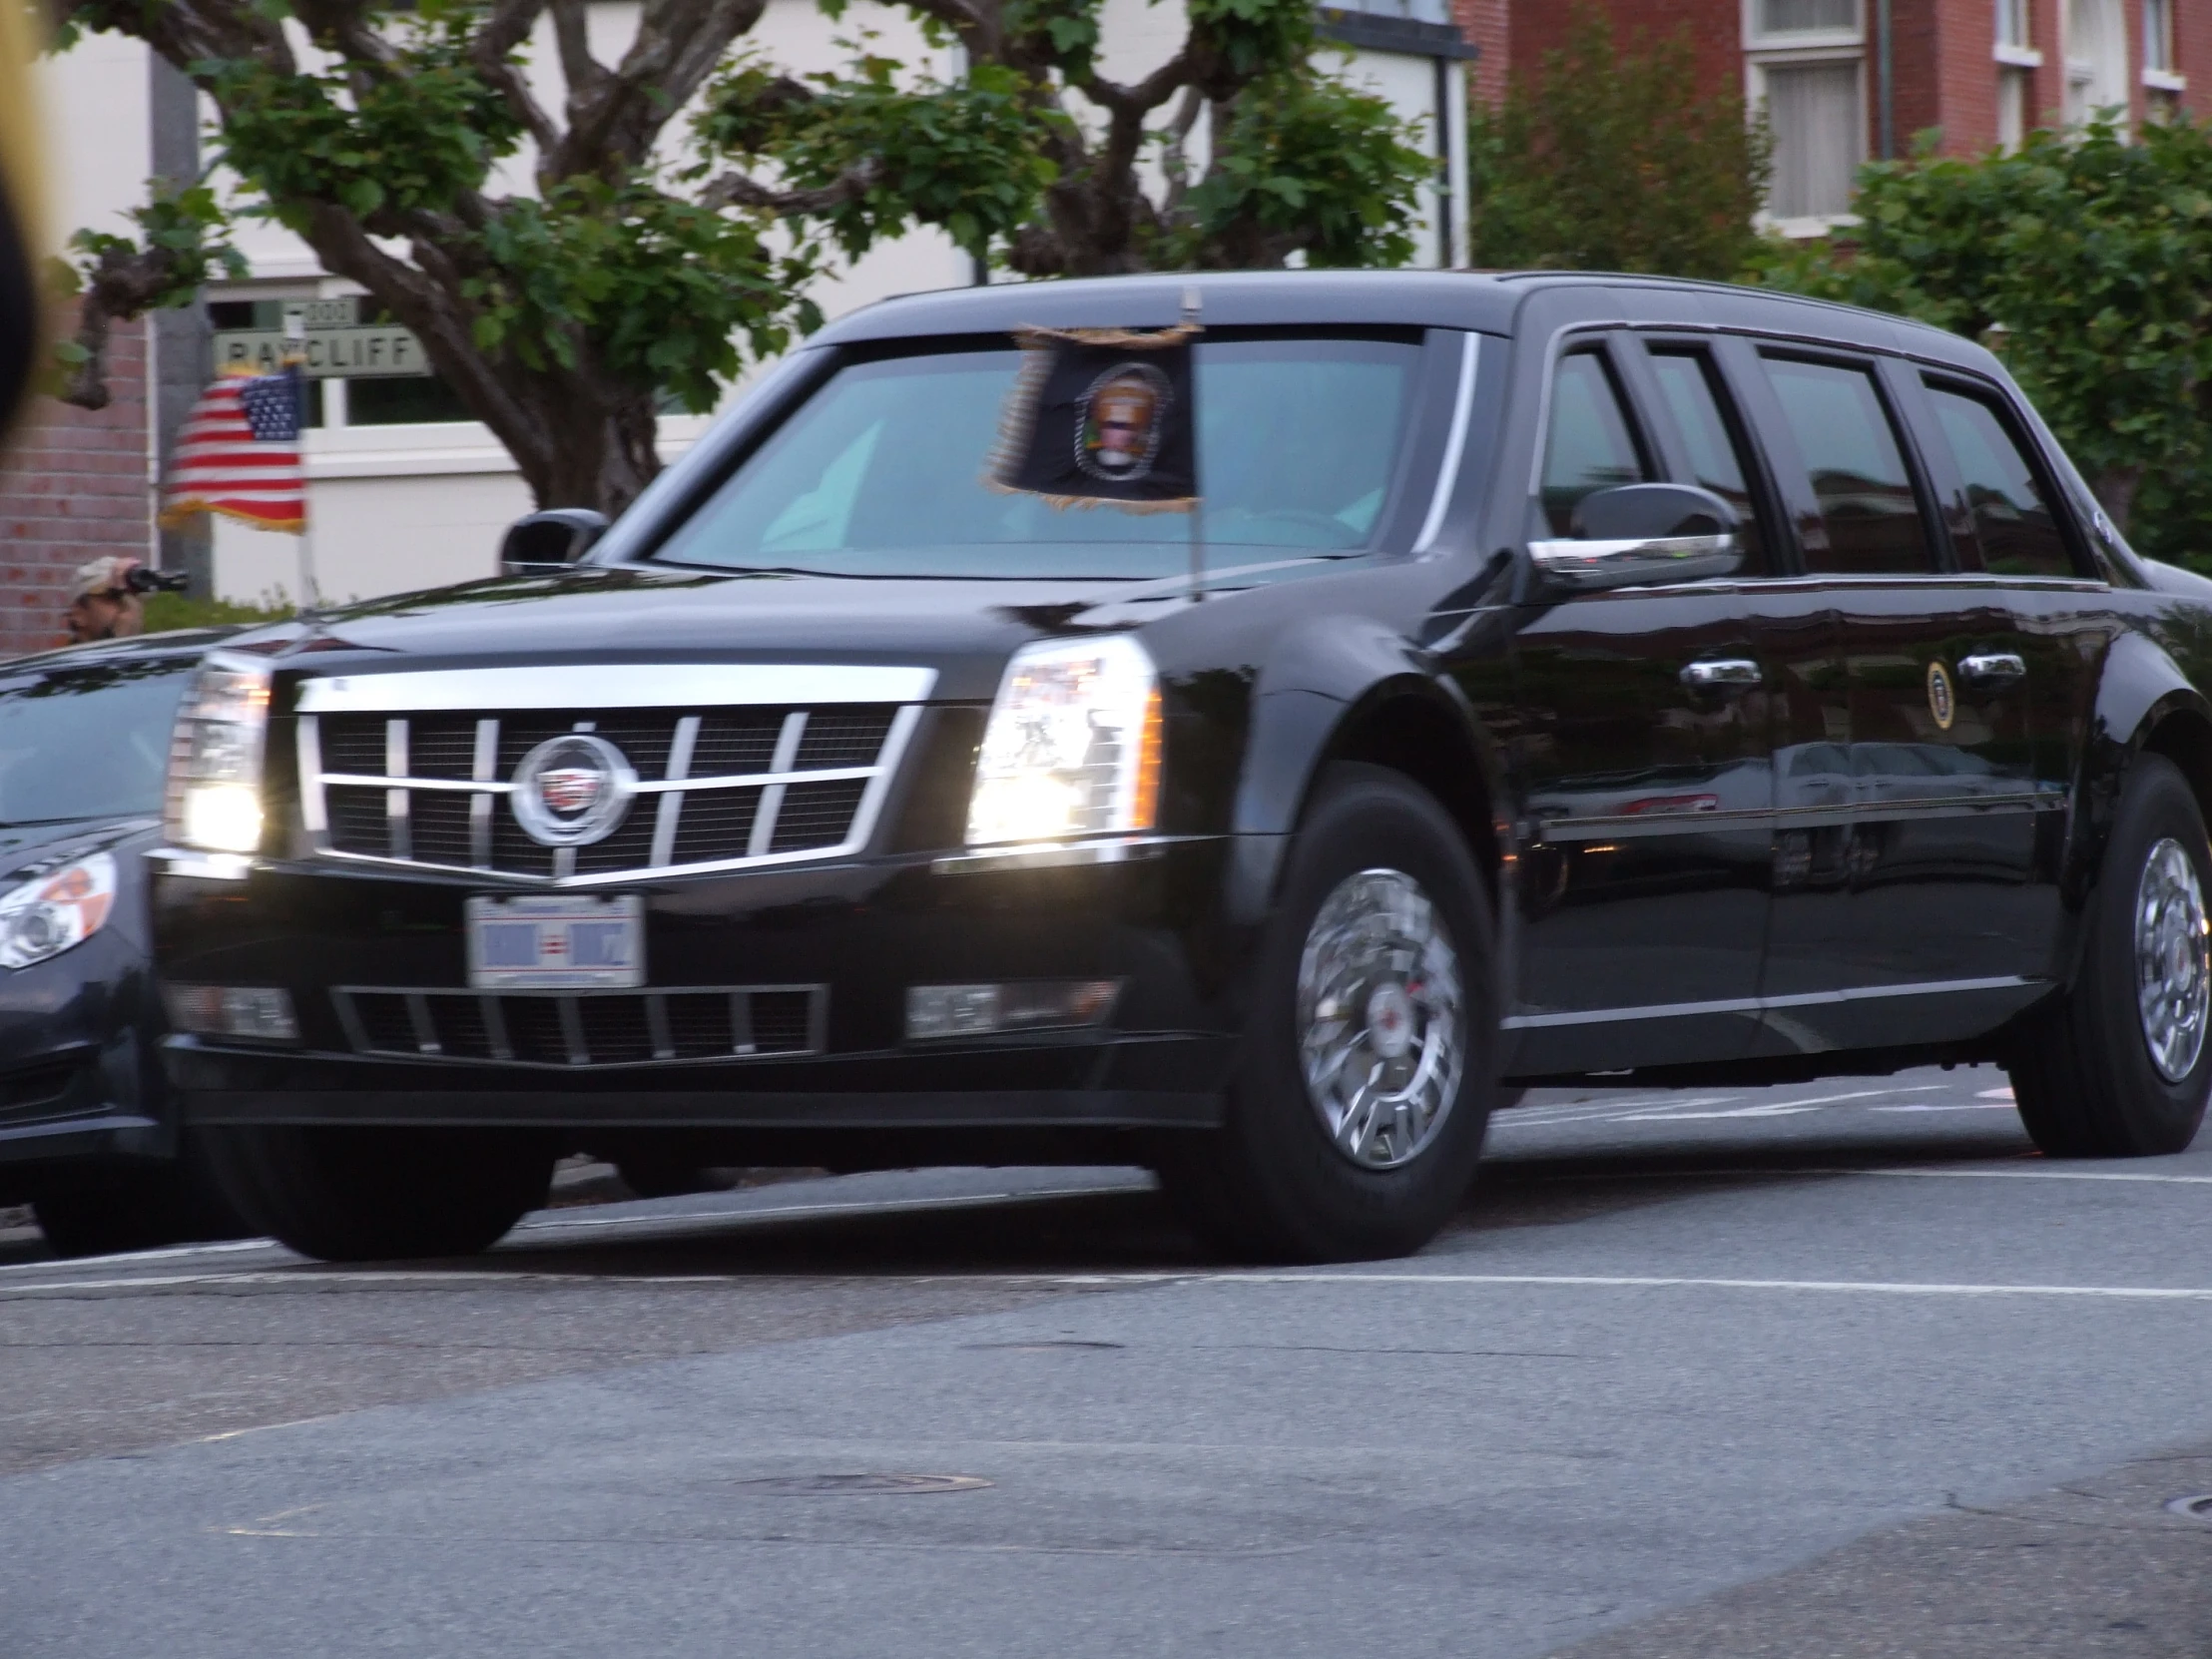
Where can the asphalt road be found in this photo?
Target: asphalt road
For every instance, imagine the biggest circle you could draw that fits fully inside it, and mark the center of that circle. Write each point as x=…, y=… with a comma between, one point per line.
x=1836, y=1370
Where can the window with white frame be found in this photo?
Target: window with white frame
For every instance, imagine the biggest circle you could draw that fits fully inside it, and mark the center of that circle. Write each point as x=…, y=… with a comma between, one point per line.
x=2097, y=58
x=1807, y=64
x=2012, y=24
x=2158, y=37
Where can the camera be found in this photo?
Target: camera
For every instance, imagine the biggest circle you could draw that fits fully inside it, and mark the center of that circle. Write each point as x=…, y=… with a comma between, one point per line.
x=142, y=580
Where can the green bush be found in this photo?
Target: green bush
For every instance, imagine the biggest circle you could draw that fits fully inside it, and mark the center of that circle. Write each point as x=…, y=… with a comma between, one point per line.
x=168, y=611
x=1612, y=160
x=2085, y=259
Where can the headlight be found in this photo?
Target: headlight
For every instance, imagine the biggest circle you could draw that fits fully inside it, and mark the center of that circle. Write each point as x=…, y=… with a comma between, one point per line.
x=45, y=918
x=215, y=760
x=1073, y=745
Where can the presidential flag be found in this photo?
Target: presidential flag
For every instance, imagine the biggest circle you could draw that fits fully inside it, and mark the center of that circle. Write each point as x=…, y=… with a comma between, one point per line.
x=239, y=454
x=1102, y=415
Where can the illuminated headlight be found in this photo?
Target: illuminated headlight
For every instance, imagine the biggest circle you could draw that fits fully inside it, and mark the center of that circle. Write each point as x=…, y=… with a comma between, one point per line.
x=215, y=760
x=64, y=907
x=1073, y=745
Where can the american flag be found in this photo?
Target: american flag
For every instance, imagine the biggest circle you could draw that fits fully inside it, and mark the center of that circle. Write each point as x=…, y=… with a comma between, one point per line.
x=239, y=454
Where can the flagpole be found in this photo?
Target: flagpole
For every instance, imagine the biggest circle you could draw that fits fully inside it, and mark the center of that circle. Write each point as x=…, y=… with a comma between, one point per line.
x=295, y=359
x=1198, y=490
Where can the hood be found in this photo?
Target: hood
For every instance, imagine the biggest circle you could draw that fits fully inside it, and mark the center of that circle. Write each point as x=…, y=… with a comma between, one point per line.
x=963, y=629
x=2183, y=584
x=29, y=851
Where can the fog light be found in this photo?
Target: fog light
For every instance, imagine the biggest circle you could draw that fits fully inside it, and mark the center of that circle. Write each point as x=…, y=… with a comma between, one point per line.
x=252, y=1013
x=1023, y=1006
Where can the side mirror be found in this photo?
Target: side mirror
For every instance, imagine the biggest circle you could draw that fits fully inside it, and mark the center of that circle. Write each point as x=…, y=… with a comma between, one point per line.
x=551, y=541
x=1635, y=535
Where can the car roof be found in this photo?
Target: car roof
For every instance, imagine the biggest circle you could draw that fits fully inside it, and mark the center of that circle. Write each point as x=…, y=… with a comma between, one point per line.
x=139, y=648
x=1487, y=302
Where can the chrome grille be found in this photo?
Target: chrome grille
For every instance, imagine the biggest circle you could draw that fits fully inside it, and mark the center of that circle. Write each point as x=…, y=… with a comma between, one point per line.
x=585, y=1028
x=735, y=765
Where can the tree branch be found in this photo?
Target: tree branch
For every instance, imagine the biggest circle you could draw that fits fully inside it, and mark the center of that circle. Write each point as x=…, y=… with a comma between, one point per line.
x=736, y=189
x=125, y=283
x=506, y=26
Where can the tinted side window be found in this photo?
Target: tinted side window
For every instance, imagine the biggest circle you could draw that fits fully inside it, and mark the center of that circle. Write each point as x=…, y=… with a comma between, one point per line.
x=1692, y=389
x=1591, y=445
x=2012, y=515
x=1866, y=505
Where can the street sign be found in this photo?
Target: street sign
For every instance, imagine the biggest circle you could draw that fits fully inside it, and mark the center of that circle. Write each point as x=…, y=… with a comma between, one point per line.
x=377, y=351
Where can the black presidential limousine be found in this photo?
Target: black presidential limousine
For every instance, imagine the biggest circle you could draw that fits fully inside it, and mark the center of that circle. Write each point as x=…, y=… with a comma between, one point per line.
x=1559, y=675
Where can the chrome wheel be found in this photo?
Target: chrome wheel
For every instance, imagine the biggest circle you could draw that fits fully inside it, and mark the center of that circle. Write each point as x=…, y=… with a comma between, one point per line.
x=1381, y=1031
x=2174, y=970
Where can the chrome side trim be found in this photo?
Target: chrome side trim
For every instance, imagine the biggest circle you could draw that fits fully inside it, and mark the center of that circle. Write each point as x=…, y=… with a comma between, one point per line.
x=770, y=805
x=1455, y=443
x=1032, y=855
x=307, y=746
x=483, y=766
x=672, y=802
x=613, y=686
x=422, y=1025
x=1795, y=818
x=1641, y=562
x=1765, y=1004
x=645, y=785
x=881, y=776
x=203, y=866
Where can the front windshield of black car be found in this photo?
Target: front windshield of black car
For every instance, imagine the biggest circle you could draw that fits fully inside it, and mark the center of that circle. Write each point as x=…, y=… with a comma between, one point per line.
x=881, y=471
x=89, y=742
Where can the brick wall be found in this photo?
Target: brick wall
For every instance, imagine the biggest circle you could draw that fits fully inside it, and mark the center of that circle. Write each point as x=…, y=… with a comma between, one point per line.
x=2193, y=54
x=72, y=487
x=1483, y=24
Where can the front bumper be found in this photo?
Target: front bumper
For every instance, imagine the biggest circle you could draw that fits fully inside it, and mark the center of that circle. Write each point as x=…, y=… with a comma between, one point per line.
x=861, y=931
x=77, y=1073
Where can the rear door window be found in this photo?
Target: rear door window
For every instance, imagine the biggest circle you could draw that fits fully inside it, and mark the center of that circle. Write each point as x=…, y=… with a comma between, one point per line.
x=1691, y=386
x=2012, y=509
x=1869, y=514
x=1592, y=444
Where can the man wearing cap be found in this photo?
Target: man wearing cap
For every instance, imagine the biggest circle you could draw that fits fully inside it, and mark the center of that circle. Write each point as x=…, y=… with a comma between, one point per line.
x=102, y=605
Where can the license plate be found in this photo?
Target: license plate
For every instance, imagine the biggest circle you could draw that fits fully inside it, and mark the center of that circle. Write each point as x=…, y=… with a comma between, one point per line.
x=556, y=944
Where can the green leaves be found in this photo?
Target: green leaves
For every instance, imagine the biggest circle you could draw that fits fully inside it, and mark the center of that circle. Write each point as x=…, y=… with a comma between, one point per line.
x=412, y=135
x=1308, y=163
x=2082, y=258
x=1612, y=160
x=650, y=290
x=970, y=157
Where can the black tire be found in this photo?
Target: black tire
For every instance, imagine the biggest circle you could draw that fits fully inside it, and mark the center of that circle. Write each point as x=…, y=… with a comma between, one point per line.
x=109, y=1210
x=367, y=1194
x=2081, y=1067
x=1271, y=1184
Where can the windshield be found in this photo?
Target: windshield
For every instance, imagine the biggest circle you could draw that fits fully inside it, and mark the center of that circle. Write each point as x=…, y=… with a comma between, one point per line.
x=88, y=743
x=881, y=472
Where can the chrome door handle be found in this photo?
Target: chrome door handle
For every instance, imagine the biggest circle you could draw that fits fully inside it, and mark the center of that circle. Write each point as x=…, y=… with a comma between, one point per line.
x=1724, y=672
x=1987, y=667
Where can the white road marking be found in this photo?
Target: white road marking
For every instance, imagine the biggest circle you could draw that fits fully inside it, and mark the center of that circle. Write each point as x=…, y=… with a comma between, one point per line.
x=880, y=1205
x=1780, y=1108
x=1535, y=1281
x=170, y=1253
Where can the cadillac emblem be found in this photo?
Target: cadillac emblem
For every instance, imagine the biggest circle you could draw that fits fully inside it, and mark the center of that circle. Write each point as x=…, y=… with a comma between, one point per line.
x=572, y=789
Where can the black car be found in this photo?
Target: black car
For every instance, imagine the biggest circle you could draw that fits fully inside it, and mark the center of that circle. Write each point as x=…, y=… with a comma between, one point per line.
x=87, y=1127
x=1566, y=677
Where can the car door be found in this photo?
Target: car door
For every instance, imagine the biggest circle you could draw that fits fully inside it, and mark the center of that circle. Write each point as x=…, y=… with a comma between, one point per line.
x=1643, y=761
x=1919, y=918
